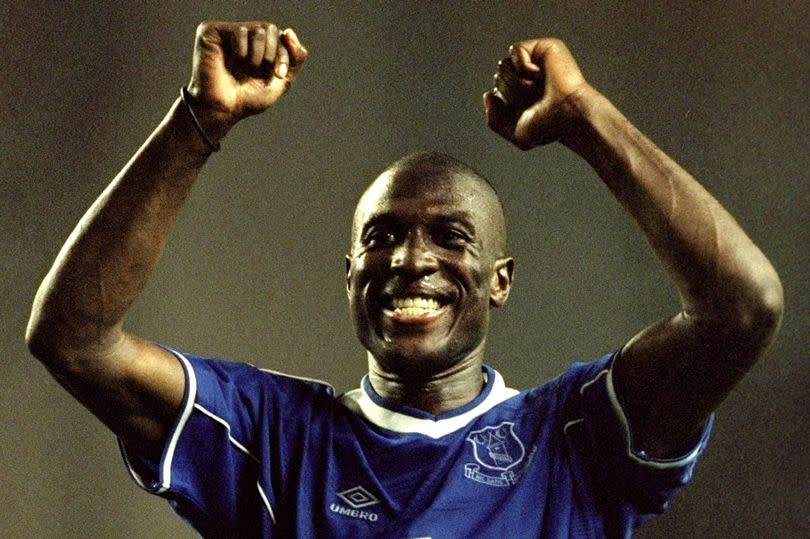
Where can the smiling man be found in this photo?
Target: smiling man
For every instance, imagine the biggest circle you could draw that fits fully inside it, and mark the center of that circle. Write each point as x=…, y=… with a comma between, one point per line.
x=433, y=443
x=428, y=260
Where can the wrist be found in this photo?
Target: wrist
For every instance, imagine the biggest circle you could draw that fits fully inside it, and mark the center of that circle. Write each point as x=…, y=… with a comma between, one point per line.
x=213, y=122
x=185, y=98
x=182, y=134
x=584, y=105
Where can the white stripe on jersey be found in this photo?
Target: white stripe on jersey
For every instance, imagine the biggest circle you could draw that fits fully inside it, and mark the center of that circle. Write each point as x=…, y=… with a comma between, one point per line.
x=361, y=403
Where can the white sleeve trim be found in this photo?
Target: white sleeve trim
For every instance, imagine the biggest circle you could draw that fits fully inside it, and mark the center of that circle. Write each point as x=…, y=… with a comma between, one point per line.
x=638, y=457
x=572, y=423
x=241, y=448
x=164, y=472
x=266, y=502
x=227, y=426
x=188, y=406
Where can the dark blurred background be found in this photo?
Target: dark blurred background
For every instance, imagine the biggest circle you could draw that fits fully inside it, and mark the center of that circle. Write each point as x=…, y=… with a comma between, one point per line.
x=254, y=267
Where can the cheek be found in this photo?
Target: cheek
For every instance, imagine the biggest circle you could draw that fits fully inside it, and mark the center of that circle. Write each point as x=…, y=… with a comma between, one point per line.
x=475, y=304
x=361, y=285
x=478, y=284
x=359, y=275
x=477, y=280
x=354, y=284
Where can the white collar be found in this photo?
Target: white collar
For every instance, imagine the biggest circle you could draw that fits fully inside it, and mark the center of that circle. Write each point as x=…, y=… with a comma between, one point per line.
x=365, y=402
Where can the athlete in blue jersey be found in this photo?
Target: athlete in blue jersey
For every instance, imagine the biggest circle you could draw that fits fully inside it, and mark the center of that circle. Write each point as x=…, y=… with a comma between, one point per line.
x=433, y=443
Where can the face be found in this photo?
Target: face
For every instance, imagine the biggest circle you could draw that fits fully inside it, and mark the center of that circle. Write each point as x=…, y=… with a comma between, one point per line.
x=425, y=268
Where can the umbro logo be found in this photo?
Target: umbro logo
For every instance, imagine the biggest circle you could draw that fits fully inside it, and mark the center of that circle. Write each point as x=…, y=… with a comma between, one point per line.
x=356, y=498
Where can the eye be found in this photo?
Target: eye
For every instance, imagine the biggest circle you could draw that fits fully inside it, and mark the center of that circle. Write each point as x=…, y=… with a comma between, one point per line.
x=379, y=237
x=451, y=237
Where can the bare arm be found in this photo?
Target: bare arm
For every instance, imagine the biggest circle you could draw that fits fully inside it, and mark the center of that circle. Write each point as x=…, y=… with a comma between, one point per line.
x=76, y=324
x=675, y=372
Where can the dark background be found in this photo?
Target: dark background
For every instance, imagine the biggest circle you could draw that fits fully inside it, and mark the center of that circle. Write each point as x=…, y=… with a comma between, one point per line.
x=254, y=267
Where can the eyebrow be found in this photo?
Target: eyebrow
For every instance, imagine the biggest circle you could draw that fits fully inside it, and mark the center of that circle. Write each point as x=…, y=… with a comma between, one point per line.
x=389, y=219
x=461, y=217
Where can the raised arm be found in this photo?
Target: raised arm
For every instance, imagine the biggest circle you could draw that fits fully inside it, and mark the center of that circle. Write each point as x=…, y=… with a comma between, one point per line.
x=76, y=324
x=675, y=372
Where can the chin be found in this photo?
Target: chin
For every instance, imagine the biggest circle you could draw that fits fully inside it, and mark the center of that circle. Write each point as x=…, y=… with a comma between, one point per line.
x=415, y=361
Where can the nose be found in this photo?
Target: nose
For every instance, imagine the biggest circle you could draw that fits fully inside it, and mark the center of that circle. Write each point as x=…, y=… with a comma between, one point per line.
x=414, y=256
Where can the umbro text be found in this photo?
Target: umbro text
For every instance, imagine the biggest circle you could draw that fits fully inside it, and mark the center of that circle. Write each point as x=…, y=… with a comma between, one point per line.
x=353, y=513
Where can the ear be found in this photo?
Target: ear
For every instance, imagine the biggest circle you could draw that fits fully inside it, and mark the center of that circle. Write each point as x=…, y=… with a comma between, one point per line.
x=348, y=274
x=501, y=282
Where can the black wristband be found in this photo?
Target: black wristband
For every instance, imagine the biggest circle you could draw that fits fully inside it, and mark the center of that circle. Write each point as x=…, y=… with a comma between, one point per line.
x=185, y=98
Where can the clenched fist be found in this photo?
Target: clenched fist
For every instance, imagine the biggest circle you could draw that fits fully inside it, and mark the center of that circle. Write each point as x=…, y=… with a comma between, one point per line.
x=241, y=68
x=532, y=102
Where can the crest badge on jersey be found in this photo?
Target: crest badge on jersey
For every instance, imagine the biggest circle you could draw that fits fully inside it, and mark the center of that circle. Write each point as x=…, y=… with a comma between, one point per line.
x=496, y=449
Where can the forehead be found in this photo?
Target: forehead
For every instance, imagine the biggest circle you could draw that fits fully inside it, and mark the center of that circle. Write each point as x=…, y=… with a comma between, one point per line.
x=424, y=191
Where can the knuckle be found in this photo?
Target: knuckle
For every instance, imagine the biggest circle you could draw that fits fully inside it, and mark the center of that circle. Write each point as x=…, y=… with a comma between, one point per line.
x=554, y=44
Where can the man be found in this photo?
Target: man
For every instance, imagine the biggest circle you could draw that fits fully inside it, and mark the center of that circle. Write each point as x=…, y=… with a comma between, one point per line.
x=433, y=443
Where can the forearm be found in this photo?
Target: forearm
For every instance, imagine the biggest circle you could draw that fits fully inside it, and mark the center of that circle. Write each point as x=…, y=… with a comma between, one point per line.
x=718, y=270
x=114, y=248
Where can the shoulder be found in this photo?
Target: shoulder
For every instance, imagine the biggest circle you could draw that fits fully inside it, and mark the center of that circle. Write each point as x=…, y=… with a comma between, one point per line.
x=222, y=385
x=570, y=384
x=245, y=375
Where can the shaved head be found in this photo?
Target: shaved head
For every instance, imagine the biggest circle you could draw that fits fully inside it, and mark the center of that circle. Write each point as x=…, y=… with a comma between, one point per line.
x=417, y=175
x=430, y=231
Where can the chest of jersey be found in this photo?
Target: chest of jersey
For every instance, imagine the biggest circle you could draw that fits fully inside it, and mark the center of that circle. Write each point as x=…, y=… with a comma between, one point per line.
x=506, y=472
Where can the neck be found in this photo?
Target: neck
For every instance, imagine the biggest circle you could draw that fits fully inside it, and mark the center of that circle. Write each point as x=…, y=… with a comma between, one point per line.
x=435, y=393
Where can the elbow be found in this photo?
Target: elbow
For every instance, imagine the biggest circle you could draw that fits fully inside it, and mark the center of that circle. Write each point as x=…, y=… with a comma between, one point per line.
x=49, y=341
x=747, y=312
x=64, y=341
x=65, y=346
x=771, y=305
x=41, y=335
x=759, y=314
x=57, y=352
x=41, y=340
x=35, y=338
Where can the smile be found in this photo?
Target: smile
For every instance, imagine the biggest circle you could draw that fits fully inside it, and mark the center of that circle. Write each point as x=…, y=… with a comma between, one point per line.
x=413, y=308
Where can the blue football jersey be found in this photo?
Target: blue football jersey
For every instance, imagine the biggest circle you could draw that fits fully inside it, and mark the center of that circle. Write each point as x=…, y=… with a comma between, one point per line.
x=255, y=453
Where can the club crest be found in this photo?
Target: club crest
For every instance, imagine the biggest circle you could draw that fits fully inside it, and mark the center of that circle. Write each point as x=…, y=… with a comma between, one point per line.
x=498, y=447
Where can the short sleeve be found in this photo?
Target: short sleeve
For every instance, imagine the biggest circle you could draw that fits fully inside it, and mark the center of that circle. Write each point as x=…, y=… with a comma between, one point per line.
x=217, y=465
x=625, y=474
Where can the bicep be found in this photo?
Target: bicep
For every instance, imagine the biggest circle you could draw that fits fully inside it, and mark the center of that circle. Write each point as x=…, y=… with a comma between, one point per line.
x=674, y=373
x=134, y=387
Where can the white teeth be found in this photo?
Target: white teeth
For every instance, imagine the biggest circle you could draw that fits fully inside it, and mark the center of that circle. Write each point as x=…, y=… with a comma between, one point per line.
x=415, y=304
x=413, y=311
